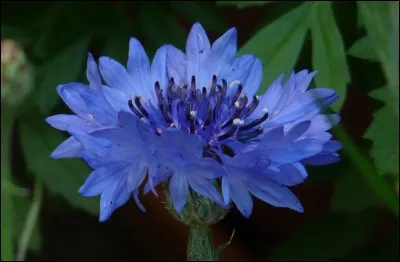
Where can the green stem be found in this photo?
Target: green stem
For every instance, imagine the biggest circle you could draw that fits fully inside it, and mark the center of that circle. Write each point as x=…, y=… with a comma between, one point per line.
x=200, y=244
x=7, y=250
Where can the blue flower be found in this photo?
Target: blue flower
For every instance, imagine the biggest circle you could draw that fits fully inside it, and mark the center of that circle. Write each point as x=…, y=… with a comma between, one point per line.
x=193, y=121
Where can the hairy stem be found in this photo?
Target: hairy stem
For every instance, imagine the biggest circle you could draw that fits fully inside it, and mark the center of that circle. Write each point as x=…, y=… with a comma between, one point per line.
x=200, y=244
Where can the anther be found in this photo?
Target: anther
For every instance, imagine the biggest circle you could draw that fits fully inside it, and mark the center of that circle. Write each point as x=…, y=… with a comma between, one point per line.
x=230, y=133
x=235, y=82
x=255, y=122
x=134, y=110
x=213, y=85
x=140, y=106
x=193, y=115
x=237, y=93
x=246, y=136
x=253, y=105
x=209, y=117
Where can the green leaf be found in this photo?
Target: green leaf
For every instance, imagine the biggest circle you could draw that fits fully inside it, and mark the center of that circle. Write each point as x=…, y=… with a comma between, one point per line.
x=206, y=13
x=61, y=69
x=15, y=34
x=117, y=47
x=244, y=4
x=278, y=44
x=384, y=132
x=61, y=176
x=326, y=238
x=7, y=124
x=352, y=194
x=328, y=53
x=21, y=208
x=363, y=49
x=382, y=33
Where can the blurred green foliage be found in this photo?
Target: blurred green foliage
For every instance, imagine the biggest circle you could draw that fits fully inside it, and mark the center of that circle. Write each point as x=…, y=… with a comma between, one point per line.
x=57, y=36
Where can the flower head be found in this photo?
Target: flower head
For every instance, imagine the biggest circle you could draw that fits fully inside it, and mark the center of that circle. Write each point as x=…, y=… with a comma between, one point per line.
x=194, y=122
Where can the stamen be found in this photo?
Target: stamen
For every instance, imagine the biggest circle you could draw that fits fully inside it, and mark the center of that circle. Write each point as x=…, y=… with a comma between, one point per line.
x=232, y=131
x=235, y=82
x=209, y=117
x=213, y=85
x=204, y=92
x=246, y=136
x=134, y=110
x=237, y=93
x=256, y=122
x=253, y=105
x=141, y=108
x=193, y=115
x=164, y=112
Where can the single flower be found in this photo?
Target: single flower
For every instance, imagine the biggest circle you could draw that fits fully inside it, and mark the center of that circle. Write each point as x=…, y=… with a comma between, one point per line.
x=194, y=122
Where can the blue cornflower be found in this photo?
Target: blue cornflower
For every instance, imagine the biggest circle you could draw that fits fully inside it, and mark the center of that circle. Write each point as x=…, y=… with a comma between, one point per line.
x=194, y=122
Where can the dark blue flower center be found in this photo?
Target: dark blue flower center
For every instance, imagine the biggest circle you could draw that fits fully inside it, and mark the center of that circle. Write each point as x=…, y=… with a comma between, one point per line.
x=215, y=115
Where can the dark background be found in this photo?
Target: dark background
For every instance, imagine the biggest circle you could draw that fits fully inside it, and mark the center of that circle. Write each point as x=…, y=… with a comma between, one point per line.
x=68, y=233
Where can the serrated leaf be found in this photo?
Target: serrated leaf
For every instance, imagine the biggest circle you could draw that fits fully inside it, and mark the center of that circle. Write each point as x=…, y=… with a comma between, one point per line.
x=21, y=208
x=205, y=13
x=381, y=31
x=352, y=194
x=325, y=238
x=384, y=132
x=61, y=69
x=363, y=49
x=61, y=176
x=244, y=4
x=278, y=44
x=328, y=55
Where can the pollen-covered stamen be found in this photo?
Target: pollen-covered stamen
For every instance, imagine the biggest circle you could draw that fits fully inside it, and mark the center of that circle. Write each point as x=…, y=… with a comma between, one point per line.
x=159, y=94
x=247, y=136
x=253, y=105
x=140, y=106
x=236, y=122
x=239, y=106
x=134, y=110
x=256, y=122
x=193, y=115
x=237, y=94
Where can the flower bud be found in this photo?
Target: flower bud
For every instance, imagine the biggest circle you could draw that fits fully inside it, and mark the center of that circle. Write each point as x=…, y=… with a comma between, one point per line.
x=16, y=73
x=198, y=210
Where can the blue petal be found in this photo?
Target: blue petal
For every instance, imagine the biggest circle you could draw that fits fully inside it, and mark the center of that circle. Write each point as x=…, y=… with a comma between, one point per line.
x=332, y=146
x=96, y=147
x=206, y=189
x=223, y=52
x=271, y=97
x=71, y=95
x=69, y=148
x=178, y=189
x=246, y=69
x=115, y=75
x=139, y=69
x=226, y=190
x=276, y=195
x=321, y=159
x=92, y=72
x=310, y=101
x=176, y=64
x=137, y=201
x=114, y=196
x=288, y=175
x=240, y=196
x=159, y=68
x=294, y=152
x=137, y=173
x=178, y=141
x=99, y=108
x=63, y=122
x=116, y=98
x=197, y=51
x=323, y=122
x=102, y=178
